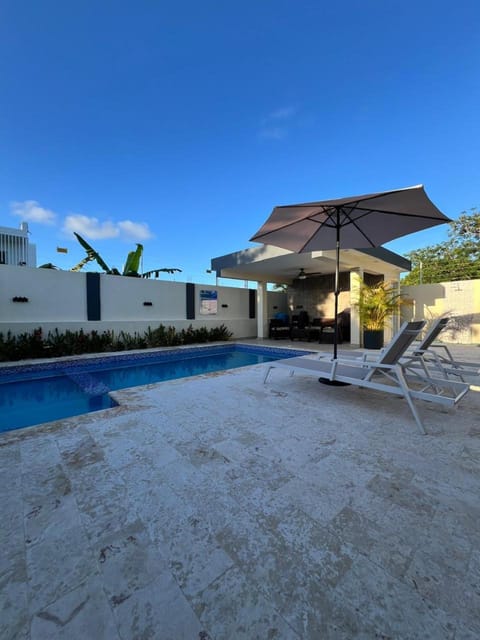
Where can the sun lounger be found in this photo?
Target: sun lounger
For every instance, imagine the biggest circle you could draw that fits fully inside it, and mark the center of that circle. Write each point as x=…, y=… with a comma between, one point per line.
x=438, y=357
x=436, y=364
x=409, y=380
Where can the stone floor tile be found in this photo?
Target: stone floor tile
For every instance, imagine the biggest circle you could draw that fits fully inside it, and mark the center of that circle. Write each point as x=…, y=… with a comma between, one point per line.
x=48, y=515
x=409, y=525
x=466, y=592
x=127, y=562
x=354, y=528
x=10, y=456
x=80, y=614
x=403, y=494
x=321, y=503
x=370, y=538
x=79, y=449
x=212, y=502
x=12, y=533
x=184, y=537
x=460, y=516
x=14, y=619
x=161, y=509
x=150, y=449
x=448, y=590
x=232, y=607
x=392, y=605
x=192, y=551
x=294, y=574
x=45, y=483
x=195, y=567
x=39, y=452
x=57, y=564
x=159, y=611
x=103, y=500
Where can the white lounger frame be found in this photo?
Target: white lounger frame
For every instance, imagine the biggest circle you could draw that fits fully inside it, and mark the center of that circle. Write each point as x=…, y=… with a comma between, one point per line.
x=409, y=380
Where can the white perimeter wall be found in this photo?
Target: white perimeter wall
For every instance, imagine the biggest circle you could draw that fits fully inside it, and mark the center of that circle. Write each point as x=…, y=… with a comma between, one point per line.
x=58, y=299
x=459, y=300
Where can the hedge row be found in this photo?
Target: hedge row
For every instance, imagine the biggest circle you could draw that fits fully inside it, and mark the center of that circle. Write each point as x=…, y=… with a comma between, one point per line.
x=56, y=344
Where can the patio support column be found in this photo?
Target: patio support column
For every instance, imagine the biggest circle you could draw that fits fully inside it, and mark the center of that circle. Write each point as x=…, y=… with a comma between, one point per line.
x=356, y=278
x=393, y=325
x=262, y=310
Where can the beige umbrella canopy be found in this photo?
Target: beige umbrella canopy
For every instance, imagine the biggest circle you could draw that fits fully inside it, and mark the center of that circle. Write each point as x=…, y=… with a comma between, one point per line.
x=355, y=222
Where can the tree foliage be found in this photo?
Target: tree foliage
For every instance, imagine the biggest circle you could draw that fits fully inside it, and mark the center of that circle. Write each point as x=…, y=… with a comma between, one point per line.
x=458, y=258
x=377, y=303
x=91, y=256
x=131, y=267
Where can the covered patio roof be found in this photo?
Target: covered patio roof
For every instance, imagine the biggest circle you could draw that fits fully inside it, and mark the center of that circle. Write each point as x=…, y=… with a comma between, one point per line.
x=267, y=263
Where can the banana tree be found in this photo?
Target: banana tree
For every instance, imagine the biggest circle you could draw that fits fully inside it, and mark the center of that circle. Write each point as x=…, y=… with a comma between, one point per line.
x=132, y=263
x=131, y=267
x=91, y=256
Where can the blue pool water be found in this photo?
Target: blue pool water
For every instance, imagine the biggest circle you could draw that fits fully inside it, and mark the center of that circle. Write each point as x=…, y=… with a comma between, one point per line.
x=43, y=392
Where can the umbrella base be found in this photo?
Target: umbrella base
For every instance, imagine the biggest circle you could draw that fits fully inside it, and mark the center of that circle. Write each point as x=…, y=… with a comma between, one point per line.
x=333, y=383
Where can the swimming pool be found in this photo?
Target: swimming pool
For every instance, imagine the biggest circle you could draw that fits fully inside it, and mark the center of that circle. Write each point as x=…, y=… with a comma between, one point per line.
x=38, y=393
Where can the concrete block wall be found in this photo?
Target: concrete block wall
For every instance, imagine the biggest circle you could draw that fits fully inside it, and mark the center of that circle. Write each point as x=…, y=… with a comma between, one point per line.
x=460, y=300
x=58, y=299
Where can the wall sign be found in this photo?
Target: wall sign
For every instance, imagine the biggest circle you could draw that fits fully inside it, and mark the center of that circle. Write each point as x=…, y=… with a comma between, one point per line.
x=208, y=302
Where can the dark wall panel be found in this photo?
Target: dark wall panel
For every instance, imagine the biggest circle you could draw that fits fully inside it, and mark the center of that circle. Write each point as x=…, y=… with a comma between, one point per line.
x=93, y=296
x=190, y=291
x=252, y=303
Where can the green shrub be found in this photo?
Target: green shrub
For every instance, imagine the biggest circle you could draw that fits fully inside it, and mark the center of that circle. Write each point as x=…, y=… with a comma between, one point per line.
x=57, y=344
x=220, y=333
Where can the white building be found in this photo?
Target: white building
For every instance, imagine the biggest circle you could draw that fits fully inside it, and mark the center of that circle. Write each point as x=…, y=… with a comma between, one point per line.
x=15, y=248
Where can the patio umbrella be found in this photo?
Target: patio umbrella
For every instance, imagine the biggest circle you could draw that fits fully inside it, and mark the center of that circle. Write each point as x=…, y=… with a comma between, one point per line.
x=355, y=222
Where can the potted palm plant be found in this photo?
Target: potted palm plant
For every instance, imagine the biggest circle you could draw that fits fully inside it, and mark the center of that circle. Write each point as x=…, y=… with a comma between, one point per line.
x=376, y=305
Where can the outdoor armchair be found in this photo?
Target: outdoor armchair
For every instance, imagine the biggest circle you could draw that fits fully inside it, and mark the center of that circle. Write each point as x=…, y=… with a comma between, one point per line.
x=279, y=328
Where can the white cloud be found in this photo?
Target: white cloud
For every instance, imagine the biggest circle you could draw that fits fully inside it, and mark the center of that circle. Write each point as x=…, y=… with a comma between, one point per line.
x=282, y=114
x=91, y=228
x=134, y=230
x=275, y=125
x=31, y=211
x=274, y=133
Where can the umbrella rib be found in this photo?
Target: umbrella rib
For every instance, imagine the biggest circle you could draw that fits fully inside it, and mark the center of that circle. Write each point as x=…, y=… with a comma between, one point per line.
x=393, y=213
x=284, y=226
x=294, y=222
x=359, y=229
x=334, y=225
x=322, y=224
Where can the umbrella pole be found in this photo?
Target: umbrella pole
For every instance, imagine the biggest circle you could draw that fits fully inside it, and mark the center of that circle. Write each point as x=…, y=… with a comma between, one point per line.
x=337, y=284
x=328, y=381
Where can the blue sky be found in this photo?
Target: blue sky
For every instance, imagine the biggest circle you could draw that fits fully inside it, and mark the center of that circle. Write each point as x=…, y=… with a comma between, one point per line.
x=182, y=124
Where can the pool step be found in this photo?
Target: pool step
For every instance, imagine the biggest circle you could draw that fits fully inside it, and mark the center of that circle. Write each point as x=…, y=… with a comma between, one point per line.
x=87, y=383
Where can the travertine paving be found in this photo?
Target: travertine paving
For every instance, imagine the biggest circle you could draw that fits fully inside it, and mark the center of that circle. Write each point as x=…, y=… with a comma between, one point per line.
x=219, y=508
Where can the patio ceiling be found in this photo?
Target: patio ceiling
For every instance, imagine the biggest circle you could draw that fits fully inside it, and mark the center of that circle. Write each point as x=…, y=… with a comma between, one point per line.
x=267, y=263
